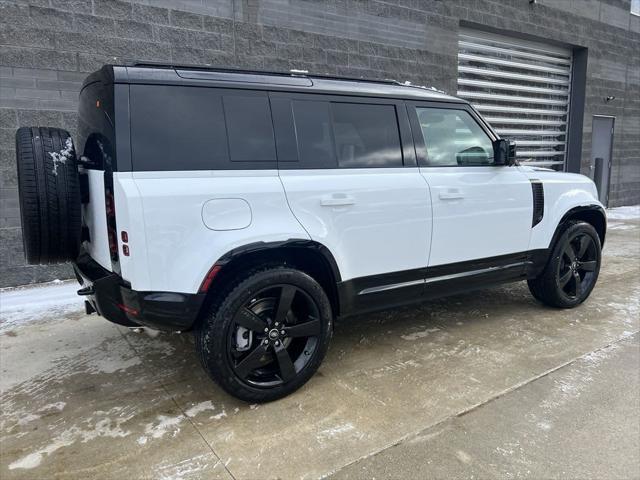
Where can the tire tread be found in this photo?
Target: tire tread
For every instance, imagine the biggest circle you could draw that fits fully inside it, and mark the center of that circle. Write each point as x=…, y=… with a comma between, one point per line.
x=49, y=204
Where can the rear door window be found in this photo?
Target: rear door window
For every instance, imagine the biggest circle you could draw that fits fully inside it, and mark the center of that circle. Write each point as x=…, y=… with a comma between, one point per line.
x=366, y=135
x=320, y=133
x=312, y=121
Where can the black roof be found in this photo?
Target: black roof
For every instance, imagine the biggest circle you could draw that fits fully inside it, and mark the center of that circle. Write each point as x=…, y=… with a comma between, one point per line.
x=302, y=81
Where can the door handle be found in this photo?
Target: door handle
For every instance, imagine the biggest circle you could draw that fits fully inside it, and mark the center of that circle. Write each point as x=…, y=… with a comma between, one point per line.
x=451, y=195
x=337, y=200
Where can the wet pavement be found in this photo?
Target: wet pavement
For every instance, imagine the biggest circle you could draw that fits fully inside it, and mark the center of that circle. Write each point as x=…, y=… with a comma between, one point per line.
x=488, y=384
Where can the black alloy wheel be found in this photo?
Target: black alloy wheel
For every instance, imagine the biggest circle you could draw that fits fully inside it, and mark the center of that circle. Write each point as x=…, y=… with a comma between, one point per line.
x=573, y=267
x=273, y=336
x=577, y=265
x=266, y=334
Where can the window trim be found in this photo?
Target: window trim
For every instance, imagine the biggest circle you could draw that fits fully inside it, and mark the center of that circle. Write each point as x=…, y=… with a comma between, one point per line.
x=407, y=147
x=418, y=138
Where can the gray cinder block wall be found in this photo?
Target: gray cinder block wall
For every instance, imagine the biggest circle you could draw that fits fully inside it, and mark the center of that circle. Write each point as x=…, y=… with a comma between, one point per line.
x=48, y=46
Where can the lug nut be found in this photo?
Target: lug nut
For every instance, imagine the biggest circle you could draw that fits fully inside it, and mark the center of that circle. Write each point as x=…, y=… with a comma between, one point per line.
x=277, y=343
x=277, y=324
x=266, y=342
x=282, y=332
x=266, y=329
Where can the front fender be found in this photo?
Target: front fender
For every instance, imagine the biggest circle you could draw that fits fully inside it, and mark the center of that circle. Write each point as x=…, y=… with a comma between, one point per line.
x=565, y=195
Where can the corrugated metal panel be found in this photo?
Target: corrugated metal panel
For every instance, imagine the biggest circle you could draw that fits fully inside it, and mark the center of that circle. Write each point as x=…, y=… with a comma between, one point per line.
x=522, y=88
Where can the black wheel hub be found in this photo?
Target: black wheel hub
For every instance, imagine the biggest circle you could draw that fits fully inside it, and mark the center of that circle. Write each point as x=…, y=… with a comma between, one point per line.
x=282, y=325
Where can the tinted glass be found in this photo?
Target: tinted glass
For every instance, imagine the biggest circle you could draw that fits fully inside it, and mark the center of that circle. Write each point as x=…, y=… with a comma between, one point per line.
x=249, y=128
x=177, y=128
x=285, y=131
x=95, y=129
x=366, y=135
x=313, y=131
x=453, y=138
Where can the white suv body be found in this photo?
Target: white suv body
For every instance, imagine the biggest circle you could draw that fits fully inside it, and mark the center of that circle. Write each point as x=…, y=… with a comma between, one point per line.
x=382, y=194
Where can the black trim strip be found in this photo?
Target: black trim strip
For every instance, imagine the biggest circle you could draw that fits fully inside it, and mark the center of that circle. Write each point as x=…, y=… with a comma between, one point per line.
x=379, y=292
x=537, y=190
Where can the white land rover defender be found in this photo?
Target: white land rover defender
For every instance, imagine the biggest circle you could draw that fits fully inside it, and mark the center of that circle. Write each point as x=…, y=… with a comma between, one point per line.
x=254, y=208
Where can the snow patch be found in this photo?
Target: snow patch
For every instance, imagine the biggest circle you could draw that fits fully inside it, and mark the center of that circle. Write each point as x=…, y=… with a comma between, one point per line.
x=333, y=432
x=544, y=426
x=620, y=226
x=199, y=408
x=54, y=406
x=188, y=468
x=164, y=425
x=631, y=212
x=23, y=305
x=464, y=457
x=62, y=156
x=420, y=334
x=87, y=430
x=220, y=415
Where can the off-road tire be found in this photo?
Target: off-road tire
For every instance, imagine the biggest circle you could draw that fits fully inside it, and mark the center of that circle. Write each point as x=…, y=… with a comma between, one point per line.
x=49, y=192
x=546, y=287
x=211, y=334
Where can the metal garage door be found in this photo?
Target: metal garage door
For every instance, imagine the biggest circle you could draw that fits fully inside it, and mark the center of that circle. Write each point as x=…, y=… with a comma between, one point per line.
x=521, y=88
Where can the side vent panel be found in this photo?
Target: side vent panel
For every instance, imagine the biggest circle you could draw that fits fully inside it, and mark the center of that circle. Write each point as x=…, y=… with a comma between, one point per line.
x=538, y=202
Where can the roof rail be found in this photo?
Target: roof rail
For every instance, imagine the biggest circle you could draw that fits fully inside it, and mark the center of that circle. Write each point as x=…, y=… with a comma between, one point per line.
x=291, y=73
x=407, y=83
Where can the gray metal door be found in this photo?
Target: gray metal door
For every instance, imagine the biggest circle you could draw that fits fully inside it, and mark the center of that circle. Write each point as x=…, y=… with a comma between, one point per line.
x=601, y=146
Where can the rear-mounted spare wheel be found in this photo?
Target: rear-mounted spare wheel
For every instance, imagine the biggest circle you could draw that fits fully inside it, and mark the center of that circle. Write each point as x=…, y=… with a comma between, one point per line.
x=49, y=190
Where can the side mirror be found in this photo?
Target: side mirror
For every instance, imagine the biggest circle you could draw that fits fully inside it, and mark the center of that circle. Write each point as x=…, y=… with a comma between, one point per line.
x=504, y=152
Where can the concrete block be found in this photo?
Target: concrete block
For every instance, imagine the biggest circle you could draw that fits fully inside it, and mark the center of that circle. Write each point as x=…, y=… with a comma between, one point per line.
x=94, y=25
x=131, y=29
x=50, y=18
x=188, y=20
x=149, y=14
x=74, y=6
x=113, y=8
x=8, y=118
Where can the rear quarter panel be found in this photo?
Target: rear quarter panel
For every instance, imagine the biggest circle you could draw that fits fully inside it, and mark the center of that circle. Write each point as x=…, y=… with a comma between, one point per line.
x=178, y=248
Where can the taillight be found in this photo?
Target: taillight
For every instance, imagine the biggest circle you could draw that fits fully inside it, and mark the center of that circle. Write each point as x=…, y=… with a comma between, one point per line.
x=110, y=207
x=113, y=244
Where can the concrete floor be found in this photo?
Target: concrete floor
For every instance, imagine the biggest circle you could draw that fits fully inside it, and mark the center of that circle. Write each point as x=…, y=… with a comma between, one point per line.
x=483, y=385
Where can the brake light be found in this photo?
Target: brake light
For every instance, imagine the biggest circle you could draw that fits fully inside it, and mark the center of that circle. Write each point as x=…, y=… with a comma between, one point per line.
x=110, y=207
x=206, y=283
x=113, y=243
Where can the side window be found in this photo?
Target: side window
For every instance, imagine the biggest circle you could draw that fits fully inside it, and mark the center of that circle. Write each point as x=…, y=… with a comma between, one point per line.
x=453, y=138
x=177, y=128
x=338, y=134
x=192, y=128
x=366, y=135
x=249, y=128
x=313, y=132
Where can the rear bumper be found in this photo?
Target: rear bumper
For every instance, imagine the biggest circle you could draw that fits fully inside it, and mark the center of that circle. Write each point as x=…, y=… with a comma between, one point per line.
x=112, y=298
